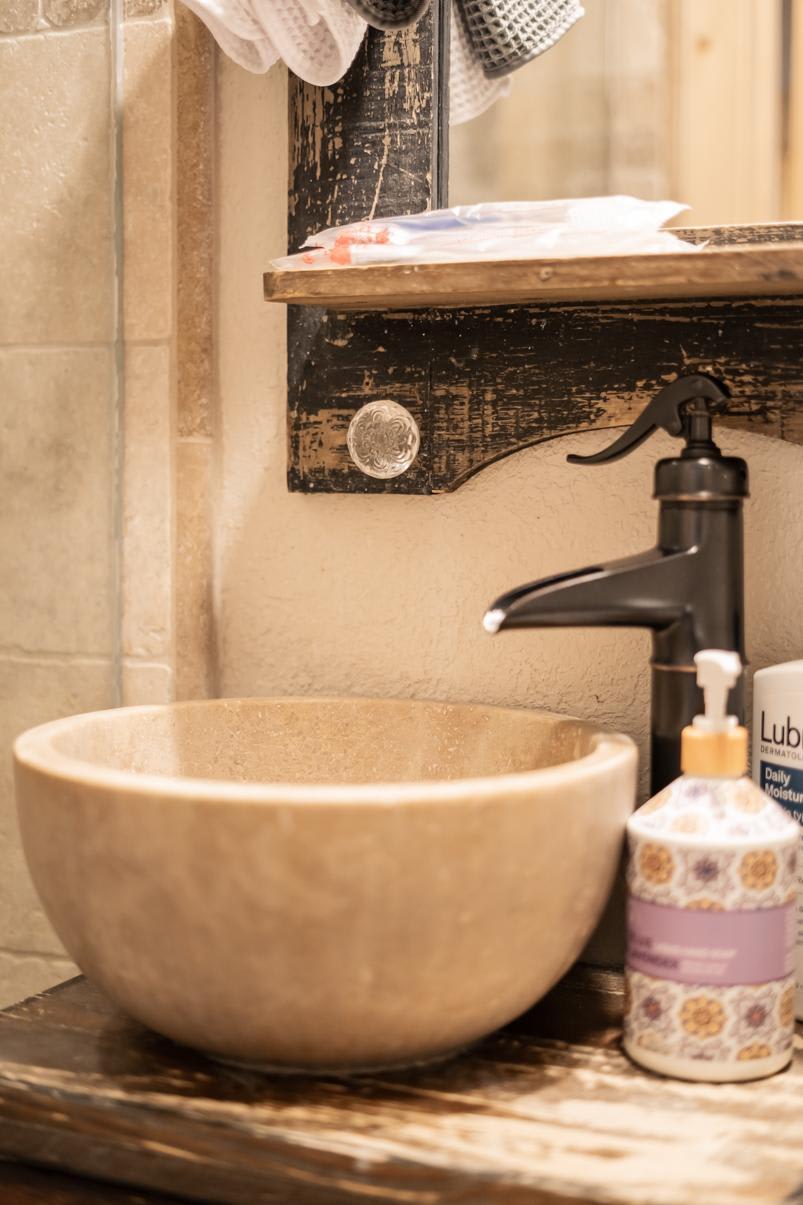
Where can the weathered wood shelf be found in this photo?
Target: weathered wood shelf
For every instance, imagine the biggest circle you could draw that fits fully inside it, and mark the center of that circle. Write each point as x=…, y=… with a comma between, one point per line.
x=486, y=366
x=547, y=1111
x=746, y=270
x=489, y=367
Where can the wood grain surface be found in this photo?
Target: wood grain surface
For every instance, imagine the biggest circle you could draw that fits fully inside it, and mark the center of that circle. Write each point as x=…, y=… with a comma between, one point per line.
x=23, y=1185
x=743, y=271
x=546, y=1111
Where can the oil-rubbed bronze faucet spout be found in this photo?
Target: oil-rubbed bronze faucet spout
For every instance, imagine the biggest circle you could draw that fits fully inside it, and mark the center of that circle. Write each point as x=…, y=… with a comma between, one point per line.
x=688, y=590
x=646, y=591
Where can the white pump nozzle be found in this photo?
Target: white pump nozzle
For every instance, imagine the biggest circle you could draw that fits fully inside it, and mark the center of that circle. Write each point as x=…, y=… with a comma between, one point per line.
x=717, y=672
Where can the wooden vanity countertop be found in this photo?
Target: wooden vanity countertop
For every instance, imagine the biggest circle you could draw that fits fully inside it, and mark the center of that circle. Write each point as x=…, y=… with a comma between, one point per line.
x=546, y=1111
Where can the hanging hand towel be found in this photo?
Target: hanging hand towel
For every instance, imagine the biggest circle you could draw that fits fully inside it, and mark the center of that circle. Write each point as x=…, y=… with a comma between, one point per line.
x=317, y=39
x=471, y=92
x=507, y=34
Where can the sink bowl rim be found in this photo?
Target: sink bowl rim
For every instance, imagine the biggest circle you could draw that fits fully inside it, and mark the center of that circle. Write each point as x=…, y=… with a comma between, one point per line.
x=34, y=749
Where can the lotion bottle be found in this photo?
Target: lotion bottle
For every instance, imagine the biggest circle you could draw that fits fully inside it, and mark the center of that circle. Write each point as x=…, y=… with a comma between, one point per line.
x=711, y=891
x=778, y=764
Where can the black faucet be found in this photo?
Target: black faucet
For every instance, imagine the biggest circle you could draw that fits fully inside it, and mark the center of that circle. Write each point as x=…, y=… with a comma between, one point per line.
x=688, y=589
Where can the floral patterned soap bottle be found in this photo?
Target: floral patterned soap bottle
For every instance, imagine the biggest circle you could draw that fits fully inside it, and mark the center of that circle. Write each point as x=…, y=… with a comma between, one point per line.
x=710, y=990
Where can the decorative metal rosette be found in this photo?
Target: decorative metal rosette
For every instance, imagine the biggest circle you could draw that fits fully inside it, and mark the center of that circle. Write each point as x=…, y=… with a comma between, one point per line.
x=383, y=439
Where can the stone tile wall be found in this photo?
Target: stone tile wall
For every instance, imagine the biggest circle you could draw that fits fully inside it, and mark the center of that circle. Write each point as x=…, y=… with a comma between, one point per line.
x=105, y=426
x=57, y=413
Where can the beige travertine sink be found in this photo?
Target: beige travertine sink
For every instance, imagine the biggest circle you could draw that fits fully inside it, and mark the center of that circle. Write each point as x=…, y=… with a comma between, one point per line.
x=334, y=883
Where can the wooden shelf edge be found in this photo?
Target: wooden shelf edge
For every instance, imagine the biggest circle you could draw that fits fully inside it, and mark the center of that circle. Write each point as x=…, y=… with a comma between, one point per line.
x=745, y=270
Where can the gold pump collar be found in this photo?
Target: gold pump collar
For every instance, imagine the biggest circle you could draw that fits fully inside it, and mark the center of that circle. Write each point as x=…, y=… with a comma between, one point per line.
x=714, y=754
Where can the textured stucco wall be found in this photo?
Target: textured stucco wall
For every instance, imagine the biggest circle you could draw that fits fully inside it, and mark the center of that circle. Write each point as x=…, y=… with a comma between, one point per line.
x=384, y=596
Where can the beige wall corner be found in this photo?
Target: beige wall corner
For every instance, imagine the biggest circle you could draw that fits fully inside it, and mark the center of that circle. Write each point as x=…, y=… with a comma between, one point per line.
x=196, y=379
x=148, y=429
x=169, y=377
x=195, y=87
x=195, y=665
x=148, y=140
x=147, y=600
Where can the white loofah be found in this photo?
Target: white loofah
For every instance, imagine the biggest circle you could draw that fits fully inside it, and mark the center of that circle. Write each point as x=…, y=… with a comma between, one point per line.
x=317, y=39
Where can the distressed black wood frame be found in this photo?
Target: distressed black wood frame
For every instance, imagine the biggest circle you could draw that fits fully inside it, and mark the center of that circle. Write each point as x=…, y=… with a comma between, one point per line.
x=484, y=382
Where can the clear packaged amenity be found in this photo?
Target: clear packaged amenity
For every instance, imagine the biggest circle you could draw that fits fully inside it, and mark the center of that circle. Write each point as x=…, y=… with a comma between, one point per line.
x=510, y=230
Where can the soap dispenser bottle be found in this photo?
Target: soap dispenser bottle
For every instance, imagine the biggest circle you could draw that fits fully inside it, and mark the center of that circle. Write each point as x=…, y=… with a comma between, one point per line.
x=710, y=991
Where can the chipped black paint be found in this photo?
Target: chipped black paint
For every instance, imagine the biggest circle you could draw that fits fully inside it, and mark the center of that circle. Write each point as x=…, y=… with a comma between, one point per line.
x=368, y=147
x=485, y=382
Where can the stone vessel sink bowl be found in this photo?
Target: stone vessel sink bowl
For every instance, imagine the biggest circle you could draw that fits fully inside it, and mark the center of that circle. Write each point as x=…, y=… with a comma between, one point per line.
x=323, y=883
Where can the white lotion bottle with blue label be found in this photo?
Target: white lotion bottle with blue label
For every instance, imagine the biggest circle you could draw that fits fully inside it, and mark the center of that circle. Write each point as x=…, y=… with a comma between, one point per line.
x=712, y=876
x=778, y=764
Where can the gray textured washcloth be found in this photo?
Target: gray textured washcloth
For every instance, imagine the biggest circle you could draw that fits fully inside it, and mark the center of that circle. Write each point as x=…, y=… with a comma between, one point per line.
x=506, y=34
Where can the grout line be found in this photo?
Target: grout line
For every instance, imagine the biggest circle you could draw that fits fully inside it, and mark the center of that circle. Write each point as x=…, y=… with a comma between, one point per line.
x=146, y=663
x=54, y=31
x=102, y=345
x=156, y=341
x=52, y=656
x=61, y=31
x=135, y=663
x=59, y=657
x=161, y=14
x=91, y=345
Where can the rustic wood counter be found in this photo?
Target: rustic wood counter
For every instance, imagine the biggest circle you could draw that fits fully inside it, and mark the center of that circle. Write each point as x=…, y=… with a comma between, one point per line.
x=548, y=1110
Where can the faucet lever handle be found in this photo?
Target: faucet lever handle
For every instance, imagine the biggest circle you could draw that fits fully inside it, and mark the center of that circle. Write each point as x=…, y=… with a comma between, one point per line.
x=665, y=411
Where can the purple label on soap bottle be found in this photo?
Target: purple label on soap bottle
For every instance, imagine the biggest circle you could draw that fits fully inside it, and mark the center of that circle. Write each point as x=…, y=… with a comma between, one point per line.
x=709, y=947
